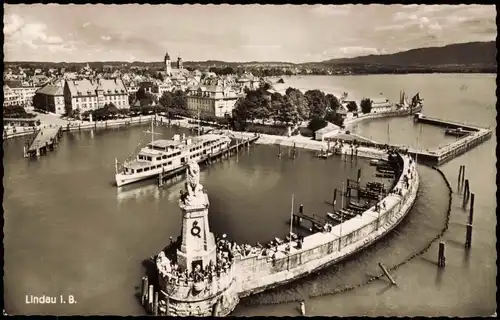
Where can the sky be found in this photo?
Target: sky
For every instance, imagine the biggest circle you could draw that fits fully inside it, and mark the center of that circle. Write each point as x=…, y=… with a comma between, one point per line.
x=305, y=33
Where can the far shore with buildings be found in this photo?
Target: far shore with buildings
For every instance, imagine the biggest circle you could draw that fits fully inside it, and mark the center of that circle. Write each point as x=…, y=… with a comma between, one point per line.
x=61, y=93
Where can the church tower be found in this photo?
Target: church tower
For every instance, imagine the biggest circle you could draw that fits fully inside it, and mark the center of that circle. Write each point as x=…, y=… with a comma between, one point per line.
x=179, y=63
x=168, y=65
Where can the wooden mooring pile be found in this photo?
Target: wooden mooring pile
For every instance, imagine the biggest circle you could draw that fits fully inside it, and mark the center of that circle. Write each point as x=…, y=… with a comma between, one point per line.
x=467, y=203
x=150, y=299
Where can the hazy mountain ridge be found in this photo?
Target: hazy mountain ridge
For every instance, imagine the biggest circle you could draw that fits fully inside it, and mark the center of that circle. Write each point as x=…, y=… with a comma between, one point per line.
x=460, y=54
x=455, y=54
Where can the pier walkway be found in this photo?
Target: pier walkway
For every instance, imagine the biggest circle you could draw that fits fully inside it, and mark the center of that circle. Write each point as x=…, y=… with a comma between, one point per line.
x=45, y=139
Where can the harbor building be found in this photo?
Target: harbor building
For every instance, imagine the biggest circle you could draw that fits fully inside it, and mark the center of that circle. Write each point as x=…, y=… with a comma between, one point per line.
x=10, y=98
x=50, y=98
x=24, y=90
x=85, y=95
x=381, y=105
x=216, y=99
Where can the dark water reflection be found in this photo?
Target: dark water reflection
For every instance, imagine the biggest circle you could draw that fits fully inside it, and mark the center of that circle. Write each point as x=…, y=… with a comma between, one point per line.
x=69, y=231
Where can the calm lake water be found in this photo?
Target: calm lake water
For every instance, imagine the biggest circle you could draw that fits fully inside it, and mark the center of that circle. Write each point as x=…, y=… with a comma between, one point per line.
x=68, y=230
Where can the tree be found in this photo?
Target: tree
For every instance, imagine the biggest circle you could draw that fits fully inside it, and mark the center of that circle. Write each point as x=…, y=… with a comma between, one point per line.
x=333, y=102
x=166, y=100
x=288, y=113
x=317, y=103
x=366, y=105
x=276, y=104
x=296, y=97
x=352, y=106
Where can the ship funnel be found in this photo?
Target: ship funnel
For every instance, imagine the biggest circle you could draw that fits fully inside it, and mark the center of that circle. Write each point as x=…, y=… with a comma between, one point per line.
x=188, y=142
x=177, y=137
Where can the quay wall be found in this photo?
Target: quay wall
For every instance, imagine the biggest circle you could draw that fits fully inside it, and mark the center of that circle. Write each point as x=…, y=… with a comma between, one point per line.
x=221, y=291
x=258, y=273
x=445, y=123
x=107, y=124
x=396, y=113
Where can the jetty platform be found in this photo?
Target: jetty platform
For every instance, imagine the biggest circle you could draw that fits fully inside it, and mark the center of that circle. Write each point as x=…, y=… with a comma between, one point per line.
x=453, y=149
x=435, y=156
x=44, y=140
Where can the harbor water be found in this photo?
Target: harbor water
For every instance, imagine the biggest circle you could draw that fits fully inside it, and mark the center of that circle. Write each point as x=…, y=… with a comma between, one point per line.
x=69, y=231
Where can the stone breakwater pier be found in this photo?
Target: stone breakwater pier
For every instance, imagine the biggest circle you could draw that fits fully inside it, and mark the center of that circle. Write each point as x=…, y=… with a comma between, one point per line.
x=201, y=275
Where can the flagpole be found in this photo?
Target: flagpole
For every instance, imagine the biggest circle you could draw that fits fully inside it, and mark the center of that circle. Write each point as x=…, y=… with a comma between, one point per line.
x=341, y=215
x=291, y=224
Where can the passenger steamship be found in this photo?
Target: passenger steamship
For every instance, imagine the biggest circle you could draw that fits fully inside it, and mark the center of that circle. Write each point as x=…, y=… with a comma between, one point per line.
x=166, y=155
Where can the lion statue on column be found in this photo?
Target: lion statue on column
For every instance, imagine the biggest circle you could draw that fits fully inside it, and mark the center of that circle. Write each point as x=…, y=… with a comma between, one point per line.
x=193, y=185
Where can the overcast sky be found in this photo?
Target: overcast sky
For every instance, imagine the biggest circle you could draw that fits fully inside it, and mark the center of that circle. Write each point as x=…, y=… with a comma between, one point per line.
x=235, y=33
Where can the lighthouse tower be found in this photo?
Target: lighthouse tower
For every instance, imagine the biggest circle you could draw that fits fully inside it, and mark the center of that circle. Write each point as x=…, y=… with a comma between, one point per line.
x=198, y=248
x=196, y=275
x=168, y=64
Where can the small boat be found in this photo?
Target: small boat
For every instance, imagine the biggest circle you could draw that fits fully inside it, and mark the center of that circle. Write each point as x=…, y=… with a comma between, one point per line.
x=325, y=154
x=384, y=171
x=359, y=206
x=374, y=162
x=334, y=217
x=347, y=212
x=458, y=132
x=355, y=209
x=384, y=175
x=374, y=184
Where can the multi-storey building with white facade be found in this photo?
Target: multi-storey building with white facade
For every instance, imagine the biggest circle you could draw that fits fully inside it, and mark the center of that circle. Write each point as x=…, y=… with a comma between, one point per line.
x=216, y=99
x=10, y=98
x=25, y=90
x=85, y=95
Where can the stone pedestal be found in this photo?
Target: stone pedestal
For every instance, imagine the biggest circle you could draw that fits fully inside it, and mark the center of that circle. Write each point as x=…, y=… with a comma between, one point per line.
x=198, y=243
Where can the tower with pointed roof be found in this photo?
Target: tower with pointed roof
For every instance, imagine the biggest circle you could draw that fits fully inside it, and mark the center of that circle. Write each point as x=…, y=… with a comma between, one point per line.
x=168, y=64
x=179, y=63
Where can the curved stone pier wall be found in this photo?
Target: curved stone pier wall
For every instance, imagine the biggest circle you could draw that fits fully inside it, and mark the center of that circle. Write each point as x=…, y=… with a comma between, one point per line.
x=257, y=273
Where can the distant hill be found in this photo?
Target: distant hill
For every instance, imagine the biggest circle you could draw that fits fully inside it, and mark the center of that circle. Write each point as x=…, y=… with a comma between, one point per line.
x=471, y=53
x=454, y=56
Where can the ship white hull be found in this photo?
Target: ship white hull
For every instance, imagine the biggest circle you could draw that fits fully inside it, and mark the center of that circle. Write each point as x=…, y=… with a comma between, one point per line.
x=122, y=179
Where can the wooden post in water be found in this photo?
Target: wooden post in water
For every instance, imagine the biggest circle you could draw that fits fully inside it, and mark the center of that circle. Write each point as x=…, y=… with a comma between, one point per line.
x=466, y=191
x=294, y=151
x=387, y=274
x=334, y=198
x=215, y=309
x=471, y=209
x=359, y=175
x=463, y=175
x=459, y=177
x=279, y=150
x=155, y=304
x=150, y=298
x=468, y=236
x=144, y=290
x=303, y=308
x=441, y=257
